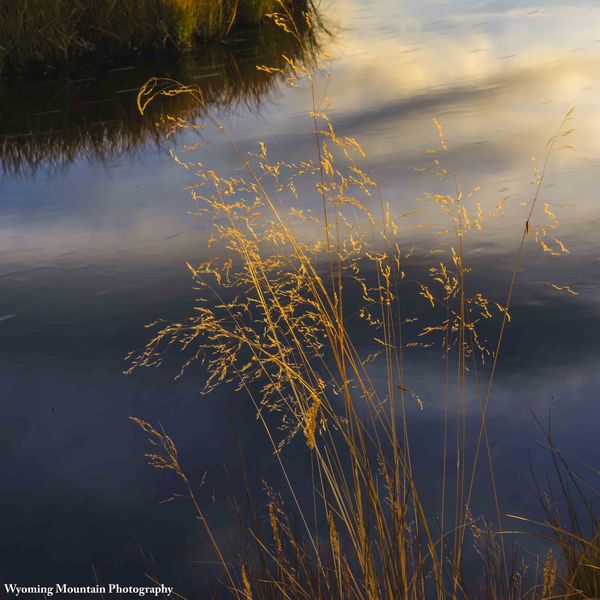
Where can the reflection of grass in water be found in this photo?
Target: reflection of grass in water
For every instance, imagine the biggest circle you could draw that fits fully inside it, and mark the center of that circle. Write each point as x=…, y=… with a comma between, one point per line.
x=277, y=318
x=53, y=123
x=42, y=32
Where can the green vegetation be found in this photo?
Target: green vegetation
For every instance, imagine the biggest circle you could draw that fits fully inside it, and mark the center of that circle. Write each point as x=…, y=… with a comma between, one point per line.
x=42, y=33
x=47, y=123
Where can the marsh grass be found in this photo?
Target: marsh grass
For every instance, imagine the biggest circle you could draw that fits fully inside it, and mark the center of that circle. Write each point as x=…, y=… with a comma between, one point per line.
x=35, y=34
x=275, y=318
x=93, y=115
x=571, y=520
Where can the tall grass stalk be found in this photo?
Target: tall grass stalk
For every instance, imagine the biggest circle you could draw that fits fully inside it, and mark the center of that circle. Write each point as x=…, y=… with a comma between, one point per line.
x=279, y=316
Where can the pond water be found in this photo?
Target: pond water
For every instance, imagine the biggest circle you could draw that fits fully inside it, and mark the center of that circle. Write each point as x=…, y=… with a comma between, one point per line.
x=96, y=231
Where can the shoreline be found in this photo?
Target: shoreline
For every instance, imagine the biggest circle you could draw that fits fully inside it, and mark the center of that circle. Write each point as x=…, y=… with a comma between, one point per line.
x=40, y=38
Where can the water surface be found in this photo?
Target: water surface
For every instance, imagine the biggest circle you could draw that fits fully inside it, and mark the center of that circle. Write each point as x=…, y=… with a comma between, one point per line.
x=96, y=232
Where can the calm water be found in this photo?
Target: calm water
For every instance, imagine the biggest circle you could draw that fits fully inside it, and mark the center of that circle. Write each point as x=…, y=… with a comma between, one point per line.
x=96, y=232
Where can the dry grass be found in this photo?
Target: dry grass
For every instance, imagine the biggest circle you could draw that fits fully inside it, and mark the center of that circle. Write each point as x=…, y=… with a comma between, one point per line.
x=277, y=317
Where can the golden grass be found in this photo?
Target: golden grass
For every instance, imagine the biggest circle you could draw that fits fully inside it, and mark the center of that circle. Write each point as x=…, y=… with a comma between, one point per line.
x=277, y=318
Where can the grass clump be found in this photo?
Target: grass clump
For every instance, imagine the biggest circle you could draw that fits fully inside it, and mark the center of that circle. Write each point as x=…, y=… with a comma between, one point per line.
x=42, y=33
x=285, y=304
x=571, y=522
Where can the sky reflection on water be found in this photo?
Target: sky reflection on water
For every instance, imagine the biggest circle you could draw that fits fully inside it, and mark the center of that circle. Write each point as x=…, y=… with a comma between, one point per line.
x=95, y=250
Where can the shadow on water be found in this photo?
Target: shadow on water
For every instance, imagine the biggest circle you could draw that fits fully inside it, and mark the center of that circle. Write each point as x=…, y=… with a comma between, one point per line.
x=52, y=122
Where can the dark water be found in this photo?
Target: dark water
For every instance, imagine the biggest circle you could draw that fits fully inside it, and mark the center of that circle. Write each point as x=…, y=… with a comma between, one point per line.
x=96, y=232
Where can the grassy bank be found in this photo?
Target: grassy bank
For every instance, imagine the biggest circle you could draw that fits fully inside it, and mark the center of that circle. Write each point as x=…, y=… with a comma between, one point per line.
x=50, y=122
x=37, y=34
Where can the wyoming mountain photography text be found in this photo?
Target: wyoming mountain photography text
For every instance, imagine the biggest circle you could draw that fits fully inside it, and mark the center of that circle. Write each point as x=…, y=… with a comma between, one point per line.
x=47, y=591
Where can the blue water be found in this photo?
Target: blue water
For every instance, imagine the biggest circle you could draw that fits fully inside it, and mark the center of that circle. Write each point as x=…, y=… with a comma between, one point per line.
x=95, y=247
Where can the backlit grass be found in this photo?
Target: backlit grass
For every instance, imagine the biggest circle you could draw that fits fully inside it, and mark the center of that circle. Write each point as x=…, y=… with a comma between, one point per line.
x=307, y=257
